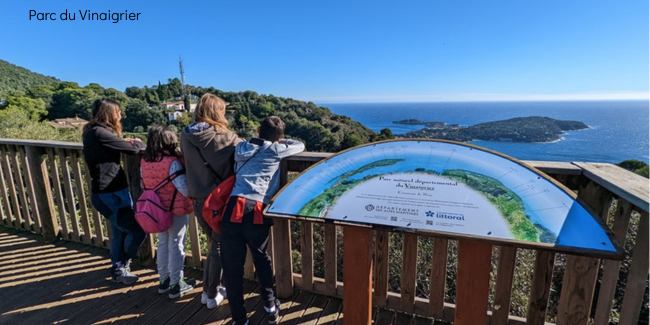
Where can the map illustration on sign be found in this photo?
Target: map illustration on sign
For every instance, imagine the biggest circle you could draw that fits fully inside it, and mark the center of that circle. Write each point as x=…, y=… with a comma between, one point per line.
x=444, y=187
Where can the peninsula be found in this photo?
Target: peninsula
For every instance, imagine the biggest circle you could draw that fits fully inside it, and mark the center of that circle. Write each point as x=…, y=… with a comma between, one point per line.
x=519, y=129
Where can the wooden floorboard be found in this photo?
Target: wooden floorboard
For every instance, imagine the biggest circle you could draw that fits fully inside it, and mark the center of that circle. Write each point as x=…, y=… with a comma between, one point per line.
x=69, y=283
x=331, y=312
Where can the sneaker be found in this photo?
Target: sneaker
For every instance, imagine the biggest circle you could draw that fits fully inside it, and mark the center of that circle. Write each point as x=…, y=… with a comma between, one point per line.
x=274, y=315
x=204, y=298
x=178, y=289
x=122, y=274
x=115, y=273
x=213, y=303
x=163, y=286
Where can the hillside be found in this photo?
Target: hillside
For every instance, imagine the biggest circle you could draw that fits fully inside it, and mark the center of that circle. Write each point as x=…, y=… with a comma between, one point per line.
x=15, y=78
x=519, y=129
x=45, y=98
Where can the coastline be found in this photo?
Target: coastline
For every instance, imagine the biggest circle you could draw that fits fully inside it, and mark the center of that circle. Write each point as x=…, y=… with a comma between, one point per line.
x=617, y=130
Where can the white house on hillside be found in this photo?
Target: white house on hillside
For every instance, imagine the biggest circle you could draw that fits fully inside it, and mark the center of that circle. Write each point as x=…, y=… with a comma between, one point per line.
x=178, y=105
x=174, y=115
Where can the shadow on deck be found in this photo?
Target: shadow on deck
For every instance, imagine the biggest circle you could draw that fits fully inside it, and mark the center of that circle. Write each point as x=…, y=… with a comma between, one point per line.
x=69, y=283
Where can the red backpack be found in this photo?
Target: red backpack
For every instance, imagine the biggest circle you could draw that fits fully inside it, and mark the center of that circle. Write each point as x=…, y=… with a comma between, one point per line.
x=216, y=202
x=150, y=214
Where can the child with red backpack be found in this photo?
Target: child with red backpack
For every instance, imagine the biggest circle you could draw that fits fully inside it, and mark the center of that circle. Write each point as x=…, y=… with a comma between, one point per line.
x=162, y=161
x=257, y=162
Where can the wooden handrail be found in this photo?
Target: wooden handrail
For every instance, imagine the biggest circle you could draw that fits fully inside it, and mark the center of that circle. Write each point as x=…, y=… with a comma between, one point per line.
x=45, y=188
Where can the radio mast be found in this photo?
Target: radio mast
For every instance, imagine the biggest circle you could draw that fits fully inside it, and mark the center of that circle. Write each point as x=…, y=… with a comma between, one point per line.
x=183, y=93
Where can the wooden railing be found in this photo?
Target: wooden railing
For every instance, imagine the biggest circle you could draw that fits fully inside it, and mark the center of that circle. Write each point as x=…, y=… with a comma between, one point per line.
x=44, y=188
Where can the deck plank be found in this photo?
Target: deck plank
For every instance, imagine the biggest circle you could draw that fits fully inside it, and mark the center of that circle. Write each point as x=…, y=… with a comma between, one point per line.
x=109, y=295
x=331, y=312
x=384, y=317
x=292, y=311
x=404, y=319
x=150, y=309
x=222, y=314
x=68, y=282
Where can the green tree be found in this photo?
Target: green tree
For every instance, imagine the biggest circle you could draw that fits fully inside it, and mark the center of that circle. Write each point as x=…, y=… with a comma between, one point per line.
x=183, y=121
x=152, y=96
x=71, y=102
x=44, y=92
x=136, y=93
x=116, y=95
x=15, y=78
x=175, y=86
x=95, y=87
x=186, y=103
x=66, y=84
x=384, y=134
x=164, y=93
x=635, y=166
x=15, y=123
x=35, y=108
x=350, y=141
x=139, y=114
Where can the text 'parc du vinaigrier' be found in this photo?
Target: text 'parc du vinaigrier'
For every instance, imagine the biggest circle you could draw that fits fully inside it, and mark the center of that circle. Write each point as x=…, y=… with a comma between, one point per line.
x=113, y=17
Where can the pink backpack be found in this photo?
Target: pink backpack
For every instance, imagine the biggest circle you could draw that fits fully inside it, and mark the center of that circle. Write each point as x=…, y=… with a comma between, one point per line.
x=150, y=214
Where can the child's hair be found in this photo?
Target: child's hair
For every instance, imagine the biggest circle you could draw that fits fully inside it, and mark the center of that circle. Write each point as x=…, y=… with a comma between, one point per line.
x=212, y=110
x=272, y=128
x=104, y=112
x=161, y=141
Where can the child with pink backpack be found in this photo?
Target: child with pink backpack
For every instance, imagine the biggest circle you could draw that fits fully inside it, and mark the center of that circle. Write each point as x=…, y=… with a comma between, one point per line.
x=163, y=164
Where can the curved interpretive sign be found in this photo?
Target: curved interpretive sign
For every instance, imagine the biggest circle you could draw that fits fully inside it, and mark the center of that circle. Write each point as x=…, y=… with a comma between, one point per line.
x=447, y=188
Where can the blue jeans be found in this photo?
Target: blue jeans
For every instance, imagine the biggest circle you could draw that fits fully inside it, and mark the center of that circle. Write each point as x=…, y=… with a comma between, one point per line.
x=171, y=250
x=128, y=236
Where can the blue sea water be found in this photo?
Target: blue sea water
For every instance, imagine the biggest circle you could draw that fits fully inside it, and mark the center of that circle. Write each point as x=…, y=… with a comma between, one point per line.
x=619, y=130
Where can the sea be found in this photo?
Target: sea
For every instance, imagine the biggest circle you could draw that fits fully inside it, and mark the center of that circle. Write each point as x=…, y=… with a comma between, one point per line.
x=618, y=130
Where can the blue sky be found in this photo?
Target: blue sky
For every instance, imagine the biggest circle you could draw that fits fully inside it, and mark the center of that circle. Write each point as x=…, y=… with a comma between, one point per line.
x=345, y=51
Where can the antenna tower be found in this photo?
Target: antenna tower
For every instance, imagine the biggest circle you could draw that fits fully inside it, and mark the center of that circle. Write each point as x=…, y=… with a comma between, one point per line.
x=183, y=93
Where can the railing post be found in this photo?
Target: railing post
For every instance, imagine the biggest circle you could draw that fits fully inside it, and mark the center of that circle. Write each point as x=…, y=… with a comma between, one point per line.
x=409, y=271
x=438, y=277
x=505, y=273
x=282, y=257
x=4, y=191
x=43, y=192
x=307, y=255
x=540, y=288
x=581, y=273
x=195, y=242
x=637, y=275
x=382, y=247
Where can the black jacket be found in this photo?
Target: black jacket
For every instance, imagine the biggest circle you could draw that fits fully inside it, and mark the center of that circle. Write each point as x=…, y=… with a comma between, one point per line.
x=101, y=152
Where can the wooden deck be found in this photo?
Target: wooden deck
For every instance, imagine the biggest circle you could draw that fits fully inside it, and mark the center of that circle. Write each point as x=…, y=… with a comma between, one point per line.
x=69, y=283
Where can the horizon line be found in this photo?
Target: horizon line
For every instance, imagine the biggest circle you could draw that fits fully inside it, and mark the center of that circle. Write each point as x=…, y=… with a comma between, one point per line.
x=486, y=98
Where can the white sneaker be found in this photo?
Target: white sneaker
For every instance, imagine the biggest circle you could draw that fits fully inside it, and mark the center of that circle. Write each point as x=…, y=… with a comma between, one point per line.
x=213, y=303
x=221, y=290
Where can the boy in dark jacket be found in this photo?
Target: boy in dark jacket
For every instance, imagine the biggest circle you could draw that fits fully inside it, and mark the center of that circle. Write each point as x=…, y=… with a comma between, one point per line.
x=257, y=163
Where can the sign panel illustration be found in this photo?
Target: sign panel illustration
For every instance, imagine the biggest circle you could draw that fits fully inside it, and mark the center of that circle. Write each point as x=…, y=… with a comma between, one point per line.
x=444, y=187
